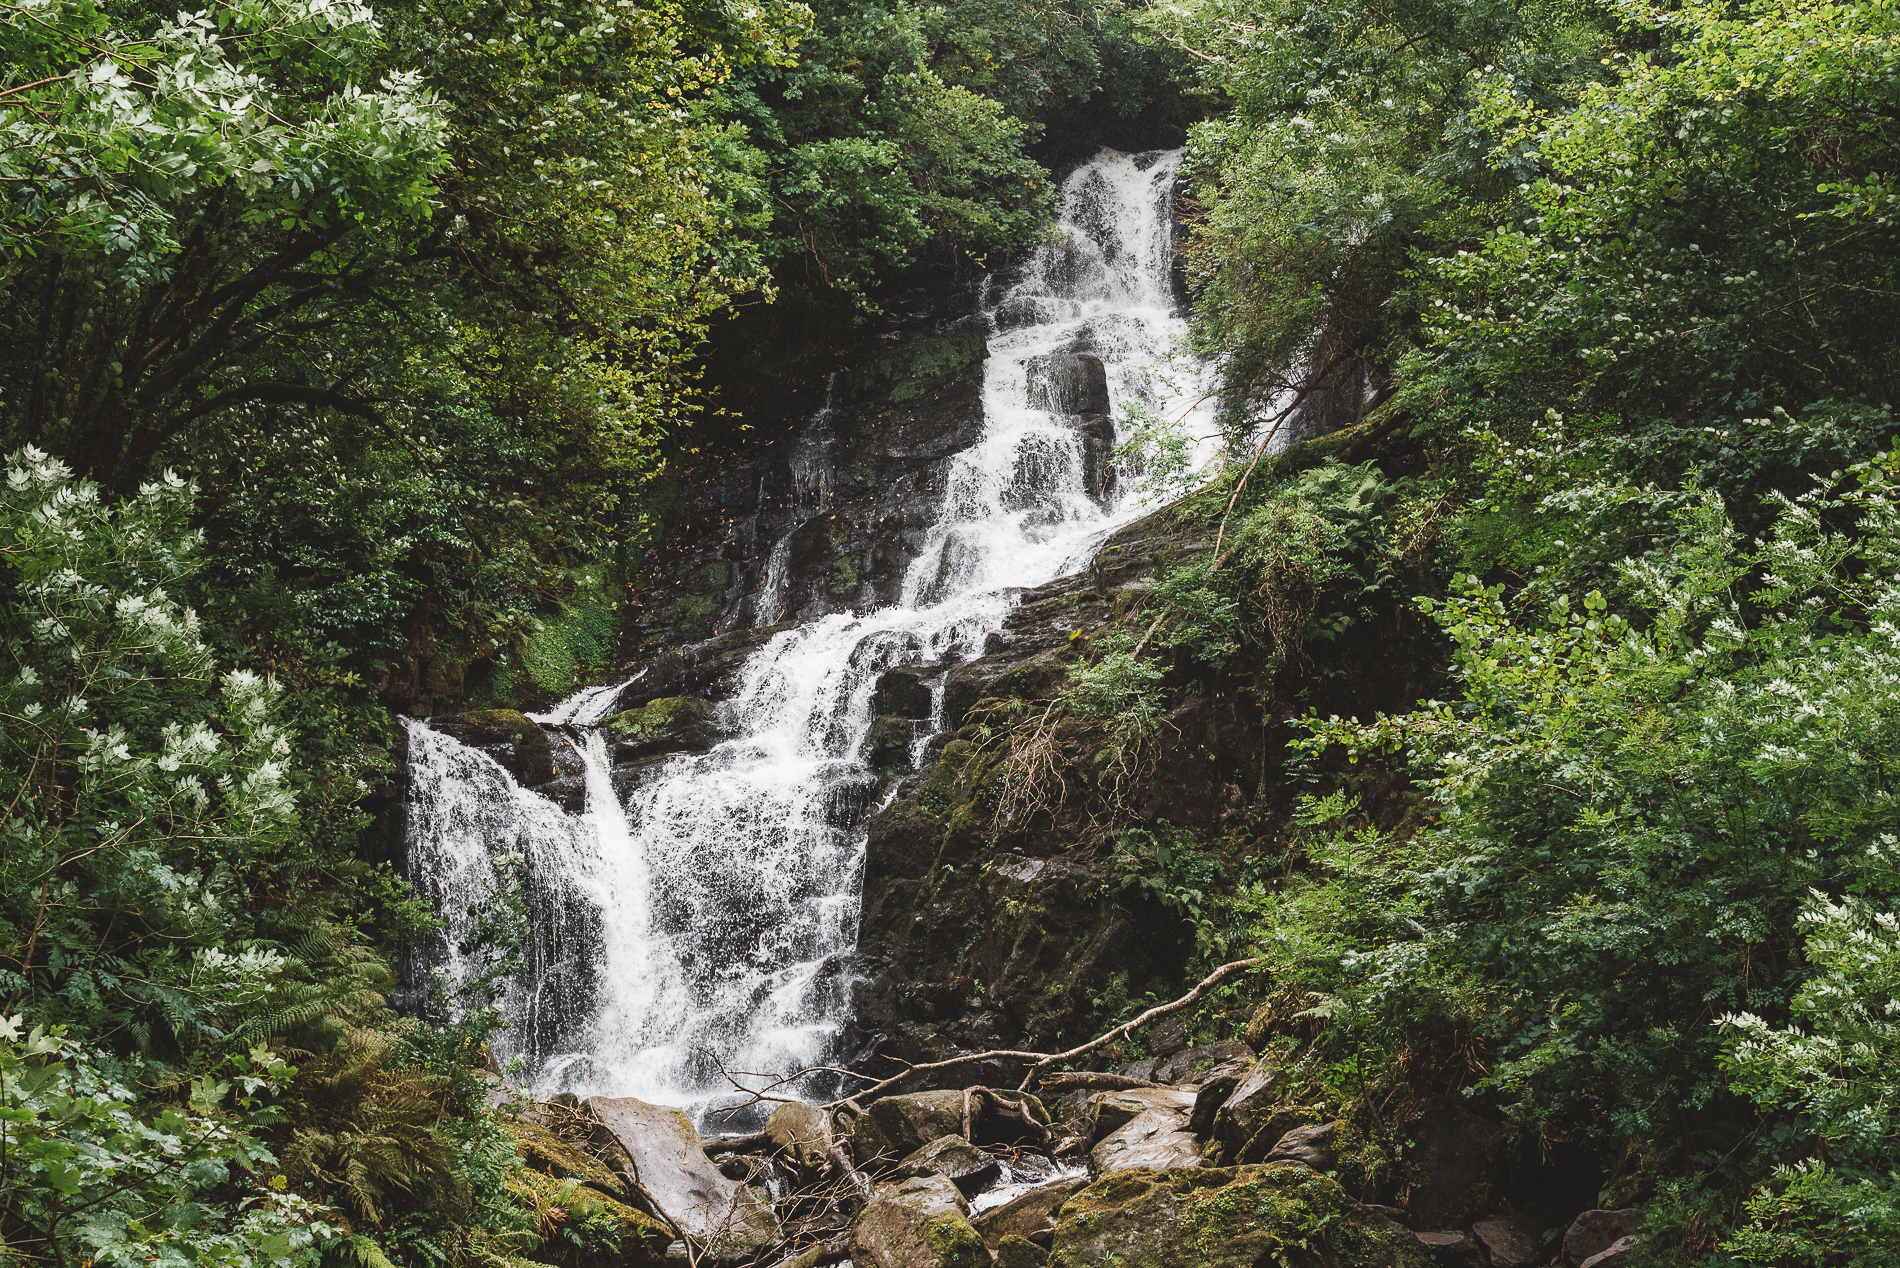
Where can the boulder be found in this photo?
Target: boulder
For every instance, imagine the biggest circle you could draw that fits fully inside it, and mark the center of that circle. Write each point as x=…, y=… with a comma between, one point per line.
x=1197, y=1066
x=513, y=739
x=1222, y=1217
x=917, y=1223
x=1016, y=1252
x=673, y=1173
x=802, y=1132
x=1451, y=1248
x=1030, y=1216
x=1007, y=674
x=898, y=1125
x=1243, y=1113
x=1594, y=1232
x=903, y=693
x=1157, y=1139
x=671, y=724
x=1309, y=1146
x=956, y=1160
x=1616, y=1255
x=1108, y=1111
x=887, y=743
x=1274, y=1129
x=1510, y=1241
x=1067, y=383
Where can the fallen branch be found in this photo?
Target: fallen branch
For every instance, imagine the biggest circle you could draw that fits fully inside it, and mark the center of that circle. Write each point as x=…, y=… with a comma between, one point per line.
x=1039, y=1060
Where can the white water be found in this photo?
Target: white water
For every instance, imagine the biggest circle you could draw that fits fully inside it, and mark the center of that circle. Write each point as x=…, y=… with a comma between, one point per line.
x=710, y=906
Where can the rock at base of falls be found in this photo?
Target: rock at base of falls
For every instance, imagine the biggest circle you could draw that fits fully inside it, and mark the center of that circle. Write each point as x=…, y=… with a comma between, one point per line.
x=1156, y=1138
x=1224, y=1217
x=1031, y=1216
x=802, y=1131
x=956, y=1160
x=670, y=1165
x=917, y=1223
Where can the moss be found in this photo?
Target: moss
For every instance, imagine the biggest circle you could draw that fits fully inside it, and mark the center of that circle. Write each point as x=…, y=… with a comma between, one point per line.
x=577, y=640
x=655, y=718
x=954, y=1242
x=568, y=1188
x=887, y=743
x=1212, y=1217
x=502, y=720
x=847, y=577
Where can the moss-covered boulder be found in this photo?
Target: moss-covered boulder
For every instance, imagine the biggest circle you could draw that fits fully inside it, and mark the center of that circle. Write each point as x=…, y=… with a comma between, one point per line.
x=670, y=724
x=1223, y=1217
x=918, y=1223
x=898, y=1126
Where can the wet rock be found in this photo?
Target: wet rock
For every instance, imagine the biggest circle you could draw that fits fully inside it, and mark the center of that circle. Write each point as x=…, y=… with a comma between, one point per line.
x=671, y=724
x=1222, y=1217
x=676, y=1176
x=1098, y=446
x=1616, y=1255
x=513, y=739
x=1247, y=1109
x=1195, y=1066
x=1451, y=1248
x=956, y=1160
x=1594, y=1232
x=1108, y=1111
x=1309, y=1146
x=903, y=692
x=1067, y=383
x=802, y=1132
x=1030, y=1216
x=917, y=1223
x=1005, y=676
x=1157, y=1139
x=1017, y=1252
x=887, y=743
x=704, y=669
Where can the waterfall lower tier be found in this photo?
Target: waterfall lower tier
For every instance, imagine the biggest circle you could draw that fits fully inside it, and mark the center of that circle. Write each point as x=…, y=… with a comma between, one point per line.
x=701, y=909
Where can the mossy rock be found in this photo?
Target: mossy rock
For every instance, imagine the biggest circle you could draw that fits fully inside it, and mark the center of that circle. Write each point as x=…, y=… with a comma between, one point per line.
x=657, y=719
x=1223, y=1217
x=887, y=743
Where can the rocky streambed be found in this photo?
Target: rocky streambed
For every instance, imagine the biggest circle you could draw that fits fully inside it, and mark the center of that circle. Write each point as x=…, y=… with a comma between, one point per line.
x=1199, y=1163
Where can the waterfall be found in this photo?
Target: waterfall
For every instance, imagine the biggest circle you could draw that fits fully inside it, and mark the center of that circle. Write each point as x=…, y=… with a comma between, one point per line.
x=706, y=905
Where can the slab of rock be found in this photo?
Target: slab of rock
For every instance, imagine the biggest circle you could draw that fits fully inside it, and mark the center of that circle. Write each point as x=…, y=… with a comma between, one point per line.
x=1510, y=1241
x=666, y=1159
x=1594, y=1232
x=1241, y=1114
x=956, y=1160
x=1222, y=1217
x=802, y=1132
x=1617, y=1255
x=1158, y=1140
x=1451, y=1248
x=1308, y=1146
x=917, y=1223
x=1109, y=1111
x=1196, y=1066
x=671, y=724
x=1030, y=1216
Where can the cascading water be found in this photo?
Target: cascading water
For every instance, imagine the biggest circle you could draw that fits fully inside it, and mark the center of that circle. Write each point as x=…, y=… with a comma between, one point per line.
x=705, y=910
